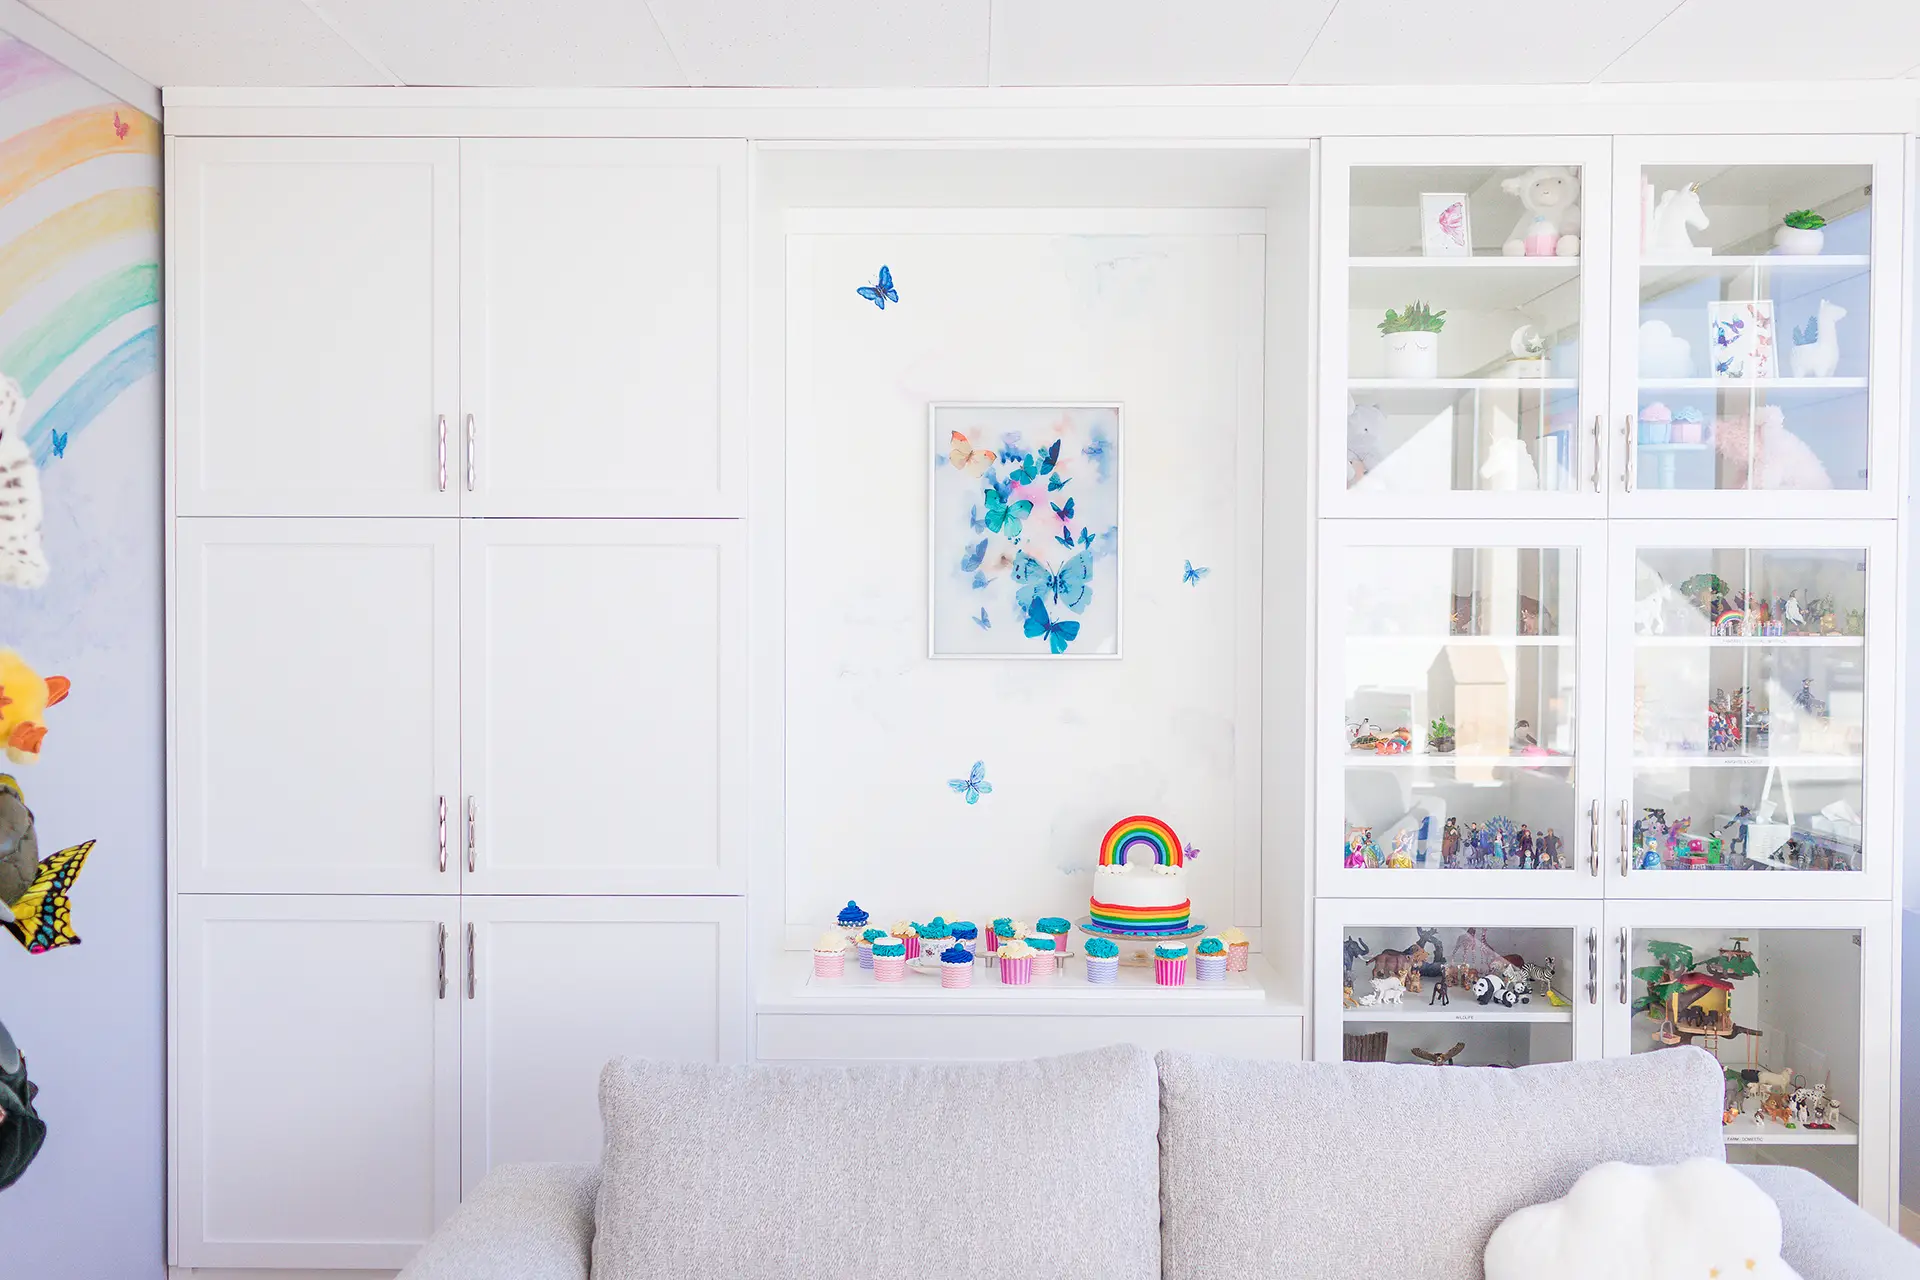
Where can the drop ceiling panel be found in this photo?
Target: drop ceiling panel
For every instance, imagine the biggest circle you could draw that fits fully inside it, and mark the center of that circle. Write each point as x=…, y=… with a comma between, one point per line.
x=1152, y=42
x=574, y=43
x=837, y=43
x=1777, y=40
x=1475, y=41
x=215, y=42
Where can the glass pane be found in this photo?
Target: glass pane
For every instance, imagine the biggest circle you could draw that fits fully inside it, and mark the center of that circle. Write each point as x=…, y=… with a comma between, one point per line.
x=1749, y=709
x=1780, y=1009
x=1464, y=333
x=1470, y=996
x=1459, y=708
x=1753, y=342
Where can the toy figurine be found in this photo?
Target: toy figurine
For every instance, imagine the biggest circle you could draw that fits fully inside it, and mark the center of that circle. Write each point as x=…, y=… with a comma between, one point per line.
x=1523, y=736
x=1548, y=852
x=1361, y=849
x=1437, y=974
x=1429, y=940
x=1493, y=989
x=1790, y=610
x=1363, y=736
x=1402, y=856
x=1399, y=742
x=1443, y=1059
x=1395, y=962
x=1388, y=990
x=1352, y=949
x=1450, y=844
x=1807, y=702
x=1523, y=846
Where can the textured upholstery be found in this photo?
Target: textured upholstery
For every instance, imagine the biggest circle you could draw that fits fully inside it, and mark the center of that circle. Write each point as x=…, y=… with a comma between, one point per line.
x=1342, y=1170
x=1827, y=1237
x=523, y=1222
x=1048, y=1168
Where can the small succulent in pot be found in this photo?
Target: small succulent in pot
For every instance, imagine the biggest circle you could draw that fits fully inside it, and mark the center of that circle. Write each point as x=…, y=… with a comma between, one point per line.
x=1439, y=737
x=1417, y=318
x=1412, y=341
x=1801, y=233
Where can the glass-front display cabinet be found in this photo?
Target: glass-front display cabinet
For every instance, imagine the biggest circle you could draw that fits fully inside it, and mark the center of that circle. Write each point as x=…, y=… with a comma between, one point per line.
x=1452, y=983
x=1464, y=285
x=1459, y=708
x=1756, y=326
x=1750, y=709
x=1793, y=1000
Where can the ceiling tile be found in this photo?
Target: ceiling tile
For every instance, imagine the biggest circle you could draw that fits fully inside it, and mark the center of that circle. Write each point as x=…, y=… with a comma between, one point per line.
x=214, y=42
x=1474, y=41
x=586, y=43
x=1152, y=42
x=828, y=43
x=1777, y=40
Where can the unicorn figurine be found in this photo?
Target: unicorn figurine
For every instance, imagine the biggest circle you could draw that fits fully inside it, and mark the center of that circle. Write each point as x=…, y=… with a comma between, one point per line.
x=1676, y=212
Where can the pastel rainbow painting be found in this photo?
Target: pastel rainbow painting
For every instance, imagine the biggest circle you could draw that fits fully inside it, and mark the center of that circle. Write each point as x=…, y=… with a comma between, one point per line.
x=79, y=246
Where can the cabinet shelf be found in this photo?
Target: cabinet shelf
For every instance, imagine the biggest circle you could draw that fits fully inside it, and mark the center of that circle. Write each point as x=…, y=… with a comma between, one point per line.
x=1704, y=760
x=1739, y=261
x=1474, y=1012
x=1749, y=642
x=1439, y=638
x=1369, y=760
x=1751, y=384
x=1481, y=262
x=1462, y=384
x=1771, y=1133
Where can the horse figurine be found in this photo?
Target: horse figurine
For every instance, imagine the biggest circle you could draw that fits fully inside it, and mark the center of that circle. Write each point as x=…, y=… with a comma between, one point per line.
x=1677, y=211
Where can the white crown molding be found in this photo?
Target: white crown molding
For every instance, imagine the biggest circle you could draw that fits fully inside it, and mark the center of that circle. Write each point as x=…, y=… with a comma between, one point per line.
x=79, y=57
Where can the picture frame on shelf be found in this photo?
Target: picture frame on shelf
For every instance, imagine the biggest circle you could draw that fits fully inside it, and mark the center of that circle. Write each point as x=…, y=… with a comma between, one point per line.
x=1446, y=225
x=1740, y=340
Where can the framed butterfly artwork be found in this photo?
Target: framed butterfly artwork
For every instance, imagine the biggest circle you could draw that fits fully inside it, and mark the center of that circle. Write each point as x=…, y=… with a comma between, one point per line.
x=1446, y=225
x=1024, y=527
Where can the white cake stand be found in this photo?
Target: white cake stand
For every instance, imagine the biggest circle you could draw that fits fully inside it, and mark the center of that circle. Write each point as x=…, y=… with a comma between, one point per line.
x=1142, y=953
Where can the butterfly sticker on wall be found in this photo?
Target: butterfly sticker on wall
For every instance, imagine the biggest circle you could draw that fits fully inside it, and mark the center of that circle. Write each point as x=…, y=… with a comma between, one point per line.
x=1058, y=634
x=1191, y=576
x=1189, y=853
x=881, y=292
x=974, y=785
x=1068, y=587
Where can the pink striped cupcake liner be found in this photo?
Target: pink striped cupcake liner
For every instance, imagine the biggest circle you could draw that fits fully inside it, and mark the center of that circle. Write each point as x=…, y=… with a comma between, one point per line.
x=1016, y=973
x=889, y=968
x=993, y=941
x=913, y=948
x=956, y=977
x=829, y=966
x=1210, y=968
x=1170, y=973
x=1237, y=956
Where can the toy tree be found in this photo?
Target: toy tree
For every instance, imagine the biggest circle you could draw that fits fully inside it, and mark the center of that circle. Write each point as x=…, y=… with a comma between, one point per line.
x=1665, y=977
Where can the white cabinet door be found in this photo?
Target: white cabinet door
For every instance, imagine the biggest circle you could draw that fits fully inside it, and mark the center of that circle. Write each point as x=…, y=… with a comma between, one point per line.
x=603, y=328
x=314, y=350
x=316, y=710
x=554, y=987
x=317, y=1079
x=603, y=685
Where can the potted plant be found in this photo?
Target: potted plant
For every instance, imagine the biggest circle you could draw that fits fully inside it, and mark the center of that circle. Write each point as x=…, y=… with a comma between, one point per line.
x=1440, y=737
x=1412, y=339
x=1800, y=233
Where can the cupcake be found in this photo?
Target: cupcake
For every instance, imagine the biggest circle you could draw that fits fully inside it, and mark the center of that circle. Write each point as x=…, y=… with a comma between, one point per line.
x=851, y=920
x=1058, y=929
x=1000, y=931
x=889, y=959
x=1656, y=423
x=1237, y=949
x=1210, y=960
x=956, y=967
x=907, y=934
x=1170, y=964
x=967, y=934
x=1689, y=426
x=830, y=955
x=867, y=939
x=1103, y=961
x=1016, y=963
x=1044, y=960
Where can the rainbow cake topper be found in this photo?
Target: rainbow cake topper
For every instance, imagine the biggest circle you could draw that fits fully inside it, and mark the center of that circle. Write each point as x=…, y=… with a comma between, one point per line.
x=1139, y=834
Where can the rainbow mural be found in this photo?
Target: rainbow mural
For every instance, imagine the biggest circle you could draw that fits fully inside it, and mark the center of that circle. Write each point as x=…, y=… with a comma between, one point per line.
x=80, y=283
x=1143, y=834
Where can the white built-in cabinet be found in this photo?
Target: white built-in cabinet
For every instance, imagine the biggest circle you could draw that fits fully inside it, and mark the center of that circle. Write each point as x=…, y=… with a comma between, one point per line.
x=457, y=665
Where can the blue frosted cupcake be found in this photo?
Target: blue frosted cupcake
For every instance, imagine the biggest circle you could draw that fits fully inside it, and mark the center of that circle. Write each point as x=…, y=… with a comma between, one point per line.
x=1210, y=960
x=956, y=968
x=1170, y=964
x=1059, y=929
x=1103, y=961
x=851, y=920
x=967, y=934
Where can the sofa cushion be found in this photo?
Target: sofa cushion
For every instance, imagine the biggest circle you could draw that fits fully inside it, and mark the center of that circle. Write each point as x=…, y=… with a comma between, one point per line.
x=1047, y=1167
x=1339, y=1170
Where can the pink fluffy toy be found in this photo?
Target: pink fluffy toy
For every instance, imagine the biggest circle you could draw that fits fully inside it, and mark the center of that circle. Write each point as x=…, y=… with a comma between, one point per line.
x=1780, y=459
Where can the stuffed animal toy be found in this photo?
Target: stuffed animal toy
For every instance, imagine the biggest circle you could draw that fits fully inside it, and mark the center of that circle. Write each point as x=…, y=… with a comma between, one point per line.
x=1366, y=439
x=1549, y=223
x=24, y=699
x=1779, y=459
x=1686, y=1221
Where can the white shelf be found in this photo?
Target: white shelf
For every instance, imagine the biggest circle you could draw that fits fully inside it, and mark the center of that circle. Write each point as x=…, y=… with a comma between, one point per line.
x=1417, y=1010
x=1732, y=760
x=1479, y=262
x=1458, y=285
x=1462, y=384
x=1749, y=642
x=1771, y=1133
x=1738, y=261
x=1371, y=760
x=1436, y=638
x=1752, y=384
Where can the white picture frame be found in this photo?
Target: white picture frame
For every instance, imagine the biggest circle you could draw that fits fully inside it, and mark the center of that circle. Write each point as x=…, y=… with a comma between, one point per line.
x=1741, y=342
x=1446, y=225
x=976, y=570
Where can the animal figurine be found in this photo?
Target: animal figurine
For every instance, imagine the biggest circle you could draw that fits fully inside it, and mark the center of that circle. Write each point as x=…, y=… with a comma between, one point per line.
x=1395, y=963
x=23, y=560
x=1442, y=1059
x=1675, y=213
x=1776, y=1081
x=1429, y=940
x=1366, y=439
x=1509, y=467
x=1816, y=346
x=24, y=699
x=1386, y=991
x=1769, y=456
x=1493, y=989
x=1549, y=224
x=1352, y=949
x=1435, y=973
x=1523, y=736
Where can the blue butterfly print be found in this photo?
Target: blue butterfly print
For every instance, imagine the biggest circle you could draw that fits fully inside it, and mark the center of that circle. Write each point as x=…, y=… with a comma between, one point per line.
x=979, y=581
x=58, y=440
x=1097, y=454
x=1028, y=470
x=1058, y=634
x=1108, y=543
x=983, y=621
x=973, y=519
x=883, y=294
x=1068, y=587
x=999, y=486
x=1004, y=517
x=1191, y=576
x=1055, y=483
x=1086, y=536
x=1064, y=537
x=1050, y=458
x=1065, y=513
x=1725, y=331
x=974, y=785
x=974, y=555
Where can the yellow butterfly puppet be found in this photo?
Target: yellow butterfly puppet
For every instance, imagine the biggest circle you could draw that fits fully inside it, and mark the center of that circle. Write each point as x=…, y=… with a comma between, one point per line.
x=33, y=894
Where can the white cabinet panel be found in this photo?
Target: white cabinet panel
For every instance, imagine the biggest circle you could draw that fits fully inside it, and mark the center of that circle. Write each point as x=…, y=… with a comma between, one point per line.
x=315, y=340
x=604, y=702
x=556, y=987
x=318, y=1081
x=603, y=322
x=316, y=712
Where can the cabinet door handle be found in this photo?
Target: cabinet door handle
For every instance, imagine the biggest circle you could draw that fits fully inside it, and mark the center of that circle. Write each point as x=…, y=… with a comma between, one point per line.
x=443, y=835
x=472, y=978
x=470, y=451
x=1623, y=966
x=1593, y=838
x=443, y=962
x=1593, y=966
x=1626, y=829
x=1595, y=469
x=443, y=453
x=473, y=822
x=1626, y=476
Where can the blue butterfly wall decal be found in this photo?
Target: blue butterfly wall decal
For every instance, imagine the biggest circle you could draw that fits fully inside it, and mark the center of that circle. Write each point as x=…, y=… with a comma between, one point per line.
x=974, y=785
x=1191, y=576
x=1058, y=635
x=882, y=293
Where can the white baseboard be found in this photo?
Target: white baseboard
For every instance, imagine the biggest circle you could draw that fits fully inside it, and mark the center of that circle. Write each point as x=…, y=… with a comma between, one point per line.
x=231, y=1273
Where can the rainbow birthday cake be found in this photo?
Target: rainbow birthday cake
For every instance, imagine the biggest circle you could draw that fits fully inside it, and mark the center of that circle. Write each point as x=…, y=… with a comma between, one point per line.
x=1140, y=884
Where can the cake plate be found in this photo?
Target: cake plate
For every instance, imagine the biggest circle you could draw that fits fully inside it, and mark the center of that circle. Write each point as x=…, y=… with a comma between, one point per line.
x=1141, y=953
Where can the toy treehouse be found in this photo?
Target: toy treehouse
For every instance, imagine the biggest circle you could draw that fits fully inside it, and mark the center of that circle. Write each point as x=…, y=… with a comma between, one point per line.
x=1694, y=1003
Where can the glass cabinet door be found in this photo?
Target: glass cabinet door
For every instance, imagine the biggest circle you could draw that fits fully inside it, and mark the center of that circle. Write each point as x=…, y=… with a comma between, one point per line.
x=1745, y=734
x=1467, y=274
x=1456, y=663
x=1753, y=309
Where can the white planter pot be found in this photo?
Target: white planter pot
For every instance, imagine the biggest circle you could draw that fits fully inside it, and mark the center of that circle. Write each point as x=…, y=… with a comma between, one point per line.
x=1800, y=242
x=1412, y=355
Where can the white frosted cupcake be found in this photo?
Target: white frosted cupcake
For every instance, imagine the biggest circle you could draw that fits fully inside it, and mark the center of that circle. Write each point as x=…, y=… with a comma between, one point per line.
x=889, y=959
x=830, y=955
x=1237, y=949
x=1016, y=963
x=1045, y=962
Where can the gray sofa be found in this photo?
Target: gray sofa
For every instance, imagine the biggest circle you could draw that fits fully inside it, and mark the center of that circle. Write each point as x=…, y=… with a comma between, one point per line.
x=1110, y=1165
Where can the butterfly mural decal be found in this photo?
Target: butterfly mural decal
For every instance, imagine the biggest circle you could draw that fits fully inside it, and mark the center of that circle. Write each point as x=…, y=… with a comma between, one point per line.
x=57, y=441
x=1069, y=587
x=974, y=785
x=983, y=621
x=1056, y=482
x=1058, y=634
x=1191, y=576
x=979, y=581
x=962, y=456
x=1064, y=537
x=882, y=292
x=1086, y=536
x=1005, y=517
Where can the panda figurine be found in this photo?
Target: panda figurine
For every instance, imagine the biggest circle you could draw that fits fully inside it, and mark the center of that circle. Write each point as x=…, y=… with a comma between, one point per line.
x=1493, y=989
